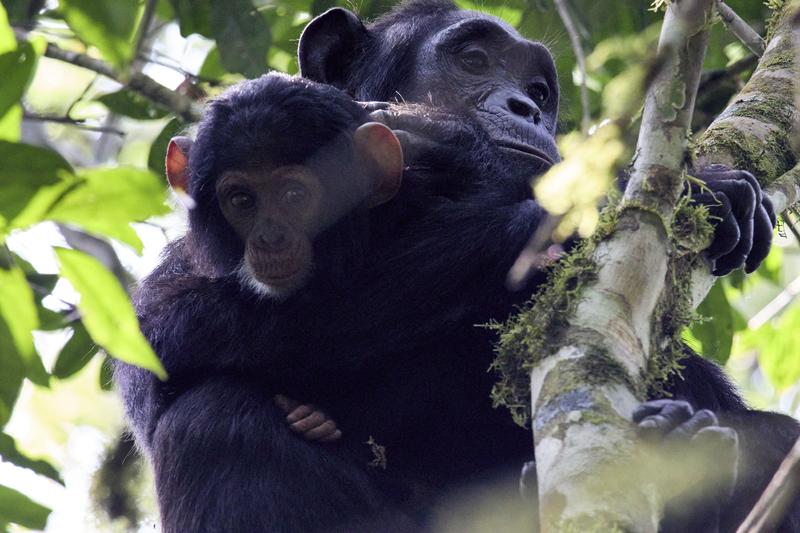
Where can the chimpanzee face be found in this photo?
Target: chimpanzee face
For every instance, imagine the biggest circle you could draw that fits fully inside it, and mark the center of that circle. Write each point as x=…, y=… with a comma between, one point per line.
x=483, y=65
x=276, y=213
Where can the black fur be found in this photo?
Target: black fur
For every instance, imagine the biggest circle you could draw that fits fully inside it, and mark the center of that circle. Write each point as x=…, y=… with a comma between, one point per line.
x=384, y=339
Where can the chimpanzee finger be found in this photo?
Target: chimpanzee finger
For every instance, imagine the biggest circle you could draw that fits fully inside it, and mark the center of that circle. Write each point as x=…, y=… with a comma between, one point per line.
x=300, y=412
x=374, y=106
x=671, y=416
x=701, y=419
x=326, y=429
x=721, y=444
x=726, y=230
x=743, y=204
x=762, y=239
x=285, y=403
x=336, y=435
x=648, y=408
x=317, y=418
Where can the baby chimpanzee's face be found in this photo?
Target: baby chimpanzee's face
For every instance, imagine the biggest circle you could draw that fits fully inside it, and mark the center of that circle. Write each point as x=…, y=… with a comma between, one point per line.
x=277, y=213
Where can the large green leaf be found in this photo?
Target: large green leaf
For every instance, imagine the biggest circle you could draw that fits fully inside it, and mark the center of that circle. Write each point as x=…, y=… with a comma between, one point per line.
x=10, y=453
x=132, y=104
x=715, y=333
x=243, y=36
x=194, y=16
x=107, y=200
x=16, y=71
x=24, y=170
x=18, y=311
x=76, y=353
x=107, y=313
x=110, y=25
x=17, y=508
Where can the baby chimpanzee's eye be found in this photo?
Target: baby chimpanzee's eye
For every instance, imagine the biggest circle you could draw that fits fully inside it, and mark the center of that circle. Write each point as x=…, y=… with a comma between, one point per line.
x=242, y=200
x=295, y=195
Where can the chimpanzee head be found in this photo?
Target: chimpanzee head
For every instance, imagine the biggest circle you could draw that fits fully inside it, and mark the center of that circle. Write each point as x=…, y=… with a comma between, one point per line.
x=429, y=51
x=277, y=162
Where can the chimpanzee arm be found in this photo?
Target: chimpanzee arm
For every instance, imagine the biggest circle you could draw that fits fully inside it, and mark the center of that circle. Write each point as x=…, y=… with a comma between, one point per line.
x=224, y=442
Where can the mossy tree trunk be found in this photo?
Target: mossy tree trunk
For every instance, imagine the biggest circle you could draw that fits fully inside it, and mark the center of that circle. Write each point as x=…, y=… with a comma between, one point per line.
x=609, y=338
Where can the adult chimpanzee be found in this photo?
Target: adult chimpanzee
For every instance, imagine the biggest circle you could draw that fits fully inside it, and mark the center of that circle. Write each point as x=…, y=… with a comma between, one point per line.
x=428, y=51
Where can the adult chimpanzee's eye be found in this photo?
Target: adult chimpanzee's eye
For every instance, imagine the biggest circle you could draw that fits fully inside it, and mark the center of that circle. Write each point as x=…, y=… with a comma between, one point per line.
x=539, y=93
x=295, y=195
x=475, y=60
x=242, y=200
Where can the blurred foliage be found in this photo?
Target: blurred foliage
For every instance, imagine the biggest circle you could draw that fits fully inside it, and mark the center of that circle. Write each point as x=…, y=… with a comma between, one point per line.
x=82, y=156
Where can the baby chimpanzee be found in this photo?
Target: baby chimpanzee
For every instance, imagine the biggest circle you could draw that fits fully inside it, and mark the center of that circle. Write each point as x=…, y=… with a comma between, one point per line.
x=282, y=175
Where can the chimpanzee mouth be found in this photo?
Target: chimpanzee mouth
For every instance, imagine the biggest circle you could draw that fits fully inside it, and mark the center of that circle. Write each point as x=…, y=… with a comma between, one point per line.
x=528, y=150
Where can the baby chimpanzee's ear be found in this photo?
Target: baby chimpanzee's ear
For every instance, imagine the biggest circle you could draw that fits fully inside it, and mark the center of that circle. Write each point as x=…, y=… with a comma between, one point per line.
x=177, y=164
x=380, y=152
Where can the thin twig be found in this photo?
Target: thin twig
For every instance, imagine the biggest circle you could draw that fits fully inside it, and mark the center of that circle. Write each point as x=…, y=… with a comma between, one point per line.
x=737, y=26
x=179, y=104
x=145, y=26
x=71, y=122
x=779, y=494
x=577, y=48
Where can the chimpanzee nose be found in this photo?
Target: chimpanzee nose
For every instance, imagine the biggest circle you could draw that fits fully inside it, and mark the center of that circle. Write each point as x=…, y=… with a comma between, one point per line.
x=273, y=239
x=525, y=109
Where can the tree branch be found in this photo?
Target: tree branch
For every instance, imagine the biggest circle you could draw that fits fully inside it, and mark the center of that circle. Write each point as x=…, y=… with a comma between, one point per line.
x=582, y=427
x=737, y=26
x=577, y=48
x=179, y=104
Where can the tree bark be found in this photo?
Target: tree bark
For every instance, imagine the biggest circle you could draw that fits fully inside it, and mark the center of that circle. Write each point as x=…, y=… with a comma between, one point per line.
x=582, y=430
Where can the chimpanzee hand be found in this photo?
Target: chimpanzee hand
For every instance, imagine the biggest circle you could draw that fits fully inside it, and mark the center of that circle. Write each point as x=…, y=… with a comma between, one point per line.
x=675, y=422
x=744, y=218
x=310, y=422
x=424, y=131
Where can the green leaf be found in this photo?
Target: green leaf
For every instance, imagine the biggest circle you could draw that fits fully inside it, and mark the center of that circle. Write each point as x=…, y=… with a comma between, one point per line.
x=9, y=452
x=11, y=123
x=17, y=508
x=132, y=104
x=107, y=313
x=158, y=150
x=24, y=170
x=716, y=333
x=18, y=310
x=212, y=68
x=16, y=71
x=76, y=353
x=107, y=200
x=12, y=374
x=777, y=342
x=108, y=25
x=243, y=36
x=194, y=16
x=7, y=40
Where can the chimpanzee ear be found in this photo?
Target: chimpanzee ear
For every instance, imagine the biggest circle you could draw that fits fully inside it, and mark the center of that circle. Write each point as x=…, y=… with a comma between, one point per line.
x=379, y=150
x=329, y=45
x=177, y=164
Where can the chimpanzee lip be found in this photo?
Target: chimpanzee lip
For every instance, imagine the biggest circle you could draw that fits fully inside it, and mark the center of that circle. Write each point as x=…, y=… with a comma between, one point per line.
x=527, y=150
